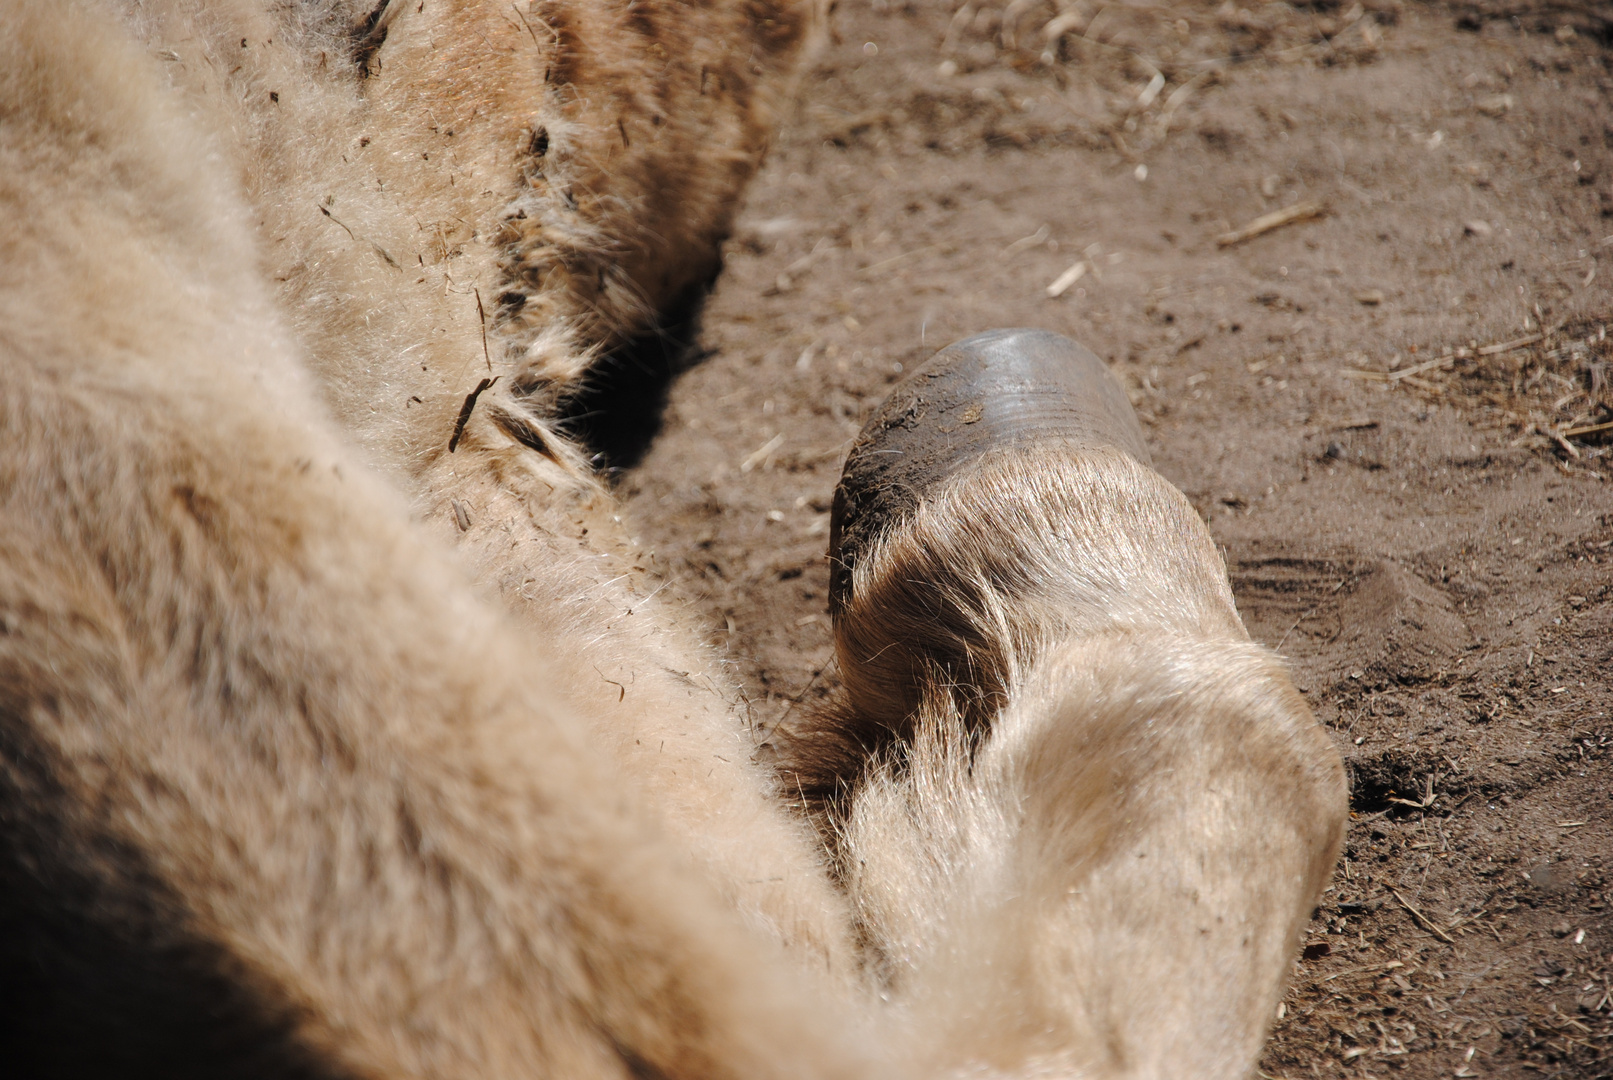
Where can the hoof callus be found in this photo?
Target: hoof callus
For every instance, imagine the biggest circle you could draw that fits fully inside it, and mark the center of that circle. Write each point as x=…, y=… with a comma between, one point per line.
x=1002, y=389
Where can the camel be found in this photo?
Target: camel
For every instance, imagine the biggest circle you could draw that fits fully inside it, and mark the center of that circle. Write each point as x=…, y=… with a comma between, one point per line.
x=342, y=733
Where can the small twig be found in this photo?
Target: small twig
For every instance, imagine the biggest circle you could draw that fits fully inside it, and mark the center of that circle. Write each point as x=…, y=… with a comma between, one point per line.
x=1410, y=374
x=1059, y=25
x=1424, y=920
x=1275, y=220
x=960, y=19
x=1428, y=795
x=481, y=313
x=1151, y=91
x=465, y=411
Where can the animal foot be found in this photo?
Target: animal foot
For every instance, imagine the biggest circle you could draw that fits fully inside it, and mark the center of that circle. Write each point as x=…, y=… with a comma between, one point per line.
x=1020, y=399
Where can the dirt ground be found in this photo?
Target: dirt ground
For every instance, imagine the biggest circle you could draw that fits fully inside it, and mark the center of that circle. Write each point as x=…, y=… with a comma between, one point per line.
x=1387, y=410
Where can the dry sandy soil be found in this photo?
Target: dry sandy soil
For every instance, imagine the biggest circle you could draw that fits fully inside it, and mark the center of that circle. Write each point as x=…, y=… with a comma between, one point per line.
x=1394, y=412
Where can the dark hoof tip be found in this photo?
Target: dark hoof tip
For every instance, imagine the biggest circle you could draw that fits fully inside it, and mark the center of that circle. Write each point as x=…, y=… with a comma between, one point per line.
x=1001, y=389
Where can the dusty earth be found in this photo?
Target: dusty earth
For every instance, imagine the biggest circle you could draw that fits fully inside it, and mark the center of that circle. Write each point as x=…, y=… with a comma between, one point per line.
x=1394, y=412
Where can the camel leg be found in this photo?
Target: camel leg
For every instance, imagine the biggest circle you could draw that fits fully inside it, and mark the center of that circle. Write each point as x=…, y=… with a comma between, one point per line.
x=1081, y=817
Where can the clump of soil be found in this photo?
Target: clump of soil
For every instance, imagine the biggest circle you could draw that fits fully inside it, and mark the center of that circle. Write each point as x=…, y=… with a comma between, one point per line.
x=1388, y=408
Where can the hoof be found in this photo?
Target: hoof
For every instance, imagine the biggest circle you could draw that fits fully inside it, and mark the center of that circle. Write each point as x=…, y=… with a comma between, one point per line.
x=1003, y=389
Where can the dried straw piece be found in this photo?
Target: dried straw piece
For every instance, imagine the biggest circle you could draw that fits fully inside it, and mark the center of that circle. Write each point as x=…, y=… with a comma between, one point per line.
x=1427, y=365
x=1068, y=278
x=760, y=455
x=1508, y=346
x=1556, y=436
x=1265, y=223
x=1424, y=920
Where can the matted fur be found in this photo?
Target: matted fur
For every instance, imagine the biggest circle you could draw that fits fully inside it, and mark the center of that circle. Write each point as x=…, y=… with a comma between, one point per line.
x=341, y=733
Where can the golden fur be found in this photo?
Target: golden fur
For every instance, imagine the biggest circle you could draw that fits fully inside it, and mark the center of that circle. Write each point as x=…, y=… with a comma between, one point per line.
x=340, y=733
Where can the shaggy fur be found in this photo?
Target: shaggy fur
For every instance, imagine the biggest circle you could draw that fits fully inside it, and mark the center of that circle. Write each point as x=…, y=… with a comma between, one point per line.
x=1082, y=817
x=280, y=793
x=341, y=732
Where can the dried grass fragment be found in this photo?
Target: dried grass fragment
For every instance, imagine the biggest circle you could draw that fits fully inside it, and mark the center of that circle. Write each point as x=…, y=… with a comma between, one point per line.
x=1265, y=223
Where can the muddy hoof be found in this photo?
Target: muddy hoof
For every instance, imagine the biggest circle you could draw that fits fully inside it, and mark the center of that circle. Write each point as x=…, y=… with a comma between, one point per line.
x=1001, y=389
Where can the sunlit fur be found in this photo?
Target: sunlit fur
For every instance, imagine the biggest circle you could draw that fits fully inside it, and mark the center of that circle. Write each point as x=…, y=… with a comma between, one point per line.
x=1084, y=830
x=281, y=786
x=338, y=739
